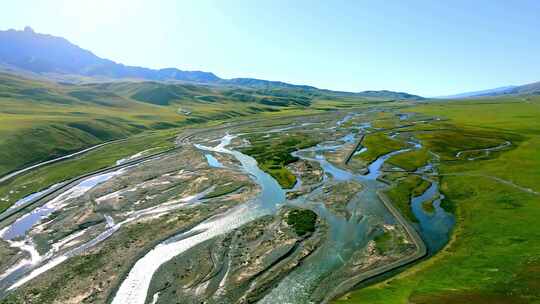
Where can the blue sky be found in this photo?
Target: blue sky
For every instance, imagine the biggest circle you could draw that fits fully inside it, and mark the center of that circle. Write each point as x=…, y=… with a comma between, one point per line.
x=430, y=48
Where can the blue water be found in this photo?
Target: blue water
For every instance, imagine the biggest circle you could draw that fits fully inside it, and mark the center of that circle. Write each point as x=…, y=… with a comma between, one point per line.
x=212, y=161
x=22, y=225
x=30, y=197
x=346, y=235
x=435, y=228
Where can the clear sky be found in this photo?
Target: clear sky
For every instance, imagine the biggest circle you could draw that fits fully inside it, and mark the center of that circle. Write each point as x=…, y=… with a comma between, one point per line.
x=430, y=48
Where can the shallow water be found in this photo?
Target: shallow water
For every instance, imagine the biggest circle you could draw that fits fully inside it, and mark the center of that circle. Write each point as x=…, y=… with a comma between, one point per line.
x=134, y=289
x=30, y=197
x=50, y=260
x=435, y=228
x=212, y=161
x=346, y=235
x=22, y=225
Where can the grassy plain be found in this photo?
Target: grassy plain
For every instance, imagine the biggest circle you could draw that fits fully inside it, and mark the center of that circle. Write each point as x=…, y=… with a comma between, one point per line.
x=494, y=254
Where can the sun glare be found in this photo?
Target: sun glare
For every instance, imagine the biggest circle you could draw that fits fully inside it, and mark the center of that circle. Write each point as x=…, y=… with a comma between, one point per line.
x=97, y=12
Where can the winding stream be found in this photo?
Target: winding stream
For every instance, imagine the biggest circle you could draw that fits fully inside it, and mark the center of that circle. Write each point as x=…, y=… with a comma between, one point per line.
x=346, y=235
x=134, y=288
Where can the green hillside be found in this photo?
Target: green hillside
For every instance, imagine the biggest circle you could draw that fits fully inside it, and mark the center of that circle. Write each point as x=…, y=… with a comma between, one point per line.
x=41, y=120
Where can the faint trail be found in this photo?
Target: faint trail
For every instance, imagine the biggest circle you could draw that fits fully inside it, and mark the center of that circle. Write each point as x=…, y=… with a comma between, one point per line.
x=58, y=159
x=497, y=179
x=486, y=151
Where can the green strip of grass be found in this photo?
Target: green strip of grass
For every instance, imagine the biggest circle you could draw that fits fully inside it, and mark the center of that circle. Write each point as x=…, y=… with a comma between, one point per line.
x=410, y=160
x=225, y=189
x=378, y=144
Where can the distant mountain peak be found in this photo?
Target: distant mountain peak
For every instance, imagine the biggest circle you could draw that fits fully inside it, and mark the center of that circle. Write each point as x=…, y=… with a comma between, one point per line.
x=527, y=89
x=45, y=56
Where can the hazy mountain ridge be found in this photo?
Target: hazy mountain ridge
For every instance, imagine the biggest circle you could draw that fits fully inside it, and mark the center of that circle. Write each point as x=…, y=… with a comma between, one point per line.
x=527, y=89
x=388, y=94
x=42, y=56
x=41, y=53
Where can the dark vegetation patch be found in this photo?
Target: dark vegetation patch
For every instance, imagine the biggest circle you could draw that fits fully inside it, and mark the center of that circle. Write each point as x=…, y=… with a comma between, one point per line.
x=138, y=126
x=92, y=96
x=160, y=95
x=242, y=97
x=383, y=242
x=507, y=201
x=303, y=221
x=147, y=117
x=163, y=125
x=209, y=98
x=95, y=130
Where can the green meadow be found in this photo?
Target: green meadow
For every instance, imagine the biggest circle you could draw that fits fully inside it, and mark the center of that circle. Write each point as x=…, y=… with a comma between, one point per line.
x=494, y=252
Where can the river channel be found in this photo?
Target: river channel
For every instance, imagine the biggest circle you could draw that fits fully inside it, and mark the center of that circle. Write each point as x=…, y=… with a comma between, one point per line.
x=345, y=235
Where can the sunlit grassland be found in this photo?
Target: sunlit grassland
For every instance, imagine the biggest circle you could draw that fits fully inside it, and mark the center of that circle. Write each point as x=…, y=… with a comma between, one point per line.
x=386, y=120
x=494, y=254
x=32, y=131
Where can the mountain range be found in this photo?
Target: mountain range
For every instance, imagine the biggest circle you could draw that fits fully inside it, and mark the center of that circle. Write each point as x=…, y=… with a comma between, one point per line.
x=527, y=89
x=45, y=56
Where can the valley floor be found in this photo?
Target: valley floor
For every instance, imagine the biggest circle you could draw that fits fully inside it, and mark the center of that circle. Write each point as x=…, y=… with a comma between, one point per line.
x=431, y=202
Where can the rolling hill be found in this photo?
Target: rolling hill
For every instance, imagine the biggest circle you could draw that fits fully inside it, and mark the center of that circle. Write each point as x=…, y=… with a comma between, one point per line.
x=40, y=120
